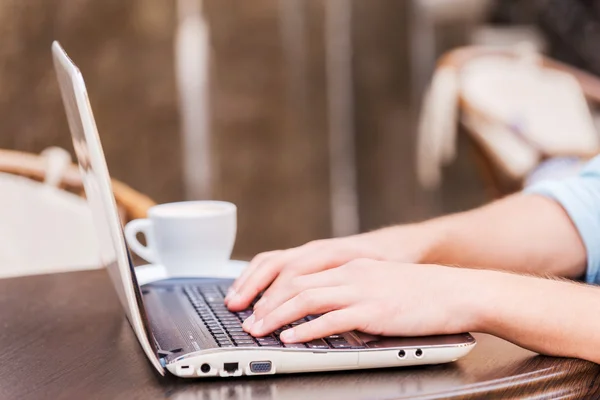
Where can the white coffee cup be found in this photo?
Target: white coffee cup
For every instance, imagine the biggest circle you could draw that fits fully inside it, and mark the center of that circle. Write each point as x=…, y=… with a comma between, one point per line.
x=190, y=238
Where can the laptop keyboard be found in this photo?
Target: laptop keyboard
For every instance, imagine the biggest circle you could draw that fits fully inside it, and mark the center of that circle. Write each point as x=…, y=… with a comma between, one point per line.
x=226, y=326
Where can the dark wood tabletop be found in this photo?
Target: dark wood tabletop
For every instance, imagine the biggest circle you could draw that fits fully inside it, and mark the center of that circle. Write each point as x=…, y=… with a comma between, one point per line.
x=64, y=336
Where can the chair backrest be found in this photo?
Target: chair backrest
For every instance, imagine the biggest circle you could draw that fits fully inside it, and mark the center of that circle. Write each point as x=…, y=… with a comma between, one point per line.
x=467, y=91
x=45, y=223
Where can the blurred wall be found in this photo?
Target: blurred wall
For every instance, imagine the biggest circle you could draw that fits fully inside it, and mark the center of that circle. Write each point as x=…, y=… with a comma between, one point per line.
x=124, y=49
x=268, y=105
x=270, y=120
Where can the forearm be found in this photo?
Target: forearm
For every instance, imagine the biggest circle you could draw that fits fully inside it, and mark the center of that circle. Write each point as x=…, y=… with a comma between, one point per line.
x=521, y=233
x=547, y=316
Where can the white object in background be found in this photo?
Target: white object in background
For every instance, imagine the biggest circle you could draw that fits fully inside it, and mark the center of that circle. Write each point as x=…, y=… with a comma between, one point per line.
x=521, y=112
x=438, y=126
x=546, y=106
x=193, y=238
x=44, y=229
x=192, y=68
x=455, y=11
x=508, y=36
x=57, y=162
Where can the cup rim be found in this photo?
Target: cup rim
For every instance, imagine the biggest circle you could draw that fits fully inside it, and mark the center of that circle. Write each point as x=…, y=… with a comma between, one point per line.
x=227, y=208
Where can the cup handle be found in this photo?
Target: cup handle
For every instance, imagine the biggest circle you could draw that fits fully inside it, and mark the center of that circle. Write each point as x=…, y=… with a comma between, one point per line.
x=131, y=230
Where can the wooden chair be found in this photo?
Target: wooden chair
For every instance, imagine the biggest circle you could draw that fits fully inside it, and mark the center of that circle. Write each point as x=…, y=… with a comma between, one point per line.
x=132, y=204
x=498, y=182
x=67, y=239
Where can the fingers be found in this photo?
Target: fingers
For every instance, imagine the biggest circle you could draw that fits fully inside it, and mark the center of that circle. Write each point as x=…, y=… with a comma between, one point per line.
x=294, y=287
x=256, y=261
x=307, y=302
x=315, y=261
x=259, y=278
x=338, y=321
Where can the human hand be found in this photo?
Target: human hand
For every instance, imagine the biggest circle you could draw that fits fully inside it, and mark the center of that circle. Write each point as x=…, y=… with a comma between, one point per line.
x=379, y=298
x=277, y=268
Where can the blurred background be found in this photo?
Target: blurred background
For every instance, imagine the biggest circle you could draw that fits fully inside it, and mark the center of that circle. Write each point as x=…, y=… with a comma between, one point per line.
x=304, y=113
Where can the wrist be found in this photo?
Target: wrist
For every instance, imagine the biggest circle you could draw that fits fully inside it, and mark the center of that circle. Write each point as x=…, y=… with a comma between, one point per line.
x=495, y=298
x=415, y=243
x=403, y=243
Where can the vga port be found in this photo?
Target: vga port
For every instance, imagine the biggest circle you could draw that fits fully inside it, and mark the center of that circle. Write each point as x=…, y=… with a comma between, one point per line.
x=260, y=367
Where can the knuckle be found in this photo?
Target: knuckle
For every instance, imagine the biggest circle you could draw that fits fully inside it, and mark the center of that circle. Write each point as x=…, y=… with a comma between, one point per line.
x=306, y=299
x=362, y=261
x=354, y=265
x=295, y=283
x=287, y=279
x=287, y=273
x=289, y=269
x=261, y=256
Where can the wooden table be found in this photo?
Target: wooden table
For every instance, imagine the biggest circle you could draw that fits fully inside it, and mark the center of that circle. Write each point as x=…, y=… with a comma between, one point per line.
x=64, y=336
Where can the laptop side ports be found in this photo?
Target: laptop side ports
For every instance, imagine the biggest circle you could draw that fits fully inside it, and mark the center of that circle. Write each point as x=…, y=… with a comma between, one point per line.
x=231, y=368
x=260, y=367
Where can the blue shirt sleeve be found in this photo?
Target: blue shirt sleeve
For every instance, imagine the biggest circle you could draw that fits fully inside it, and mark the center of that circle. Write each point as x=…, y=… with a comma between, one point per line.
x=580, y=197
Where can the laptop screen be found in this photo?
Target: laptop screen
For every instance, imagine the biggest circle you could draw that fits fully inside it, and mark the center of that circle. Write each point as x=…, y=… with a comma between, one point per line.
x=96, y=181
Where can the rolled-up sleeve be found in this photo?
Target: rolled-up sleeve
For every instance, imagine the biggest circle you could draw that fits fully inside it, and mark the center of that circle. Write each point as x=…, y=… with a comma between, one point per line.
x=580, y=197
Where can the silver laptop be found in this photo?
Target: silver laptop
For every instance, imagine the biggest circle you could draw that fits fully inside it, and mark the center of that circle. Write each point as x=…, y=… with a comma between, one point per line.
x=182, y=324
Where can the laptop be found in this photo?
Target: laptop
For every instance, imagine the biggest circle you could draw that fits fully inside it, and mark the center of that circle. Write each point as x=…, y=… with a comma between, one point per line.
x=182, y=324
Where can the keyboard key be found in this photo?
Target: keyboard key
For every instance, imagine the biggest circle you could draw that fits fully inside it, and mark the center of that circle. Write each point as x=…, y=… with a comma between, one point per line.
x=268, y=342
x=317, y=344
x=244, y=342
x=223, y=289
x=244, y=314
x=342, y=346
x=239, y=333
x=335, y=337
x=336, y=340
x=250, y=344
x=271, y=344
x=294, y=345
x=241, y=336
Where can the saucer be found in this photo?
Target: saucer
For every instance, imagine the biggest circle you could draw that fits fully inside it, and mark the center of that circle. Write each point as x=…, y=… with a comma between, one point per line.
x=153, y=272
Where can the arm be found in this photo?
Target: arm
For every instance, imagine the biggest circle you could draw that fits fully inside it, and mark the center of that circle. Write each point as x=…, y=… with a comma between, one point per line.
x=552, y=230
x=552, y=317
x=521, y=233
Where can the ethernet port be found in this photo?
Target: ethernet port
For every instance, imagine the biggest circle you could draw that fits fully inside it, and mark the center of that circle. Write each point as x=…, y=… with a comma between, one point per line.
x=231, y=368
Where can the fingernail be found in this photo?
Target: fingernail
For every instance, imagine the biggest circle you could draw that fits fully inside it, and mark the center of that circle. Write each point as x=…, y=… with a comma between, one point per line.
x=288, y=336
x=248, y=322
x=235, y=298
x=256, y=327
x=230, y=293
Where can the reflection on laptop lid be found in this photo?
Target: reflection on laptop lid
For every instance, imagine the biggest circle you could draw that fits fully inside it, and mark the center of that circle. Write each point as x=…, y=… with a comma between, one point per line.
x=98, y=188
